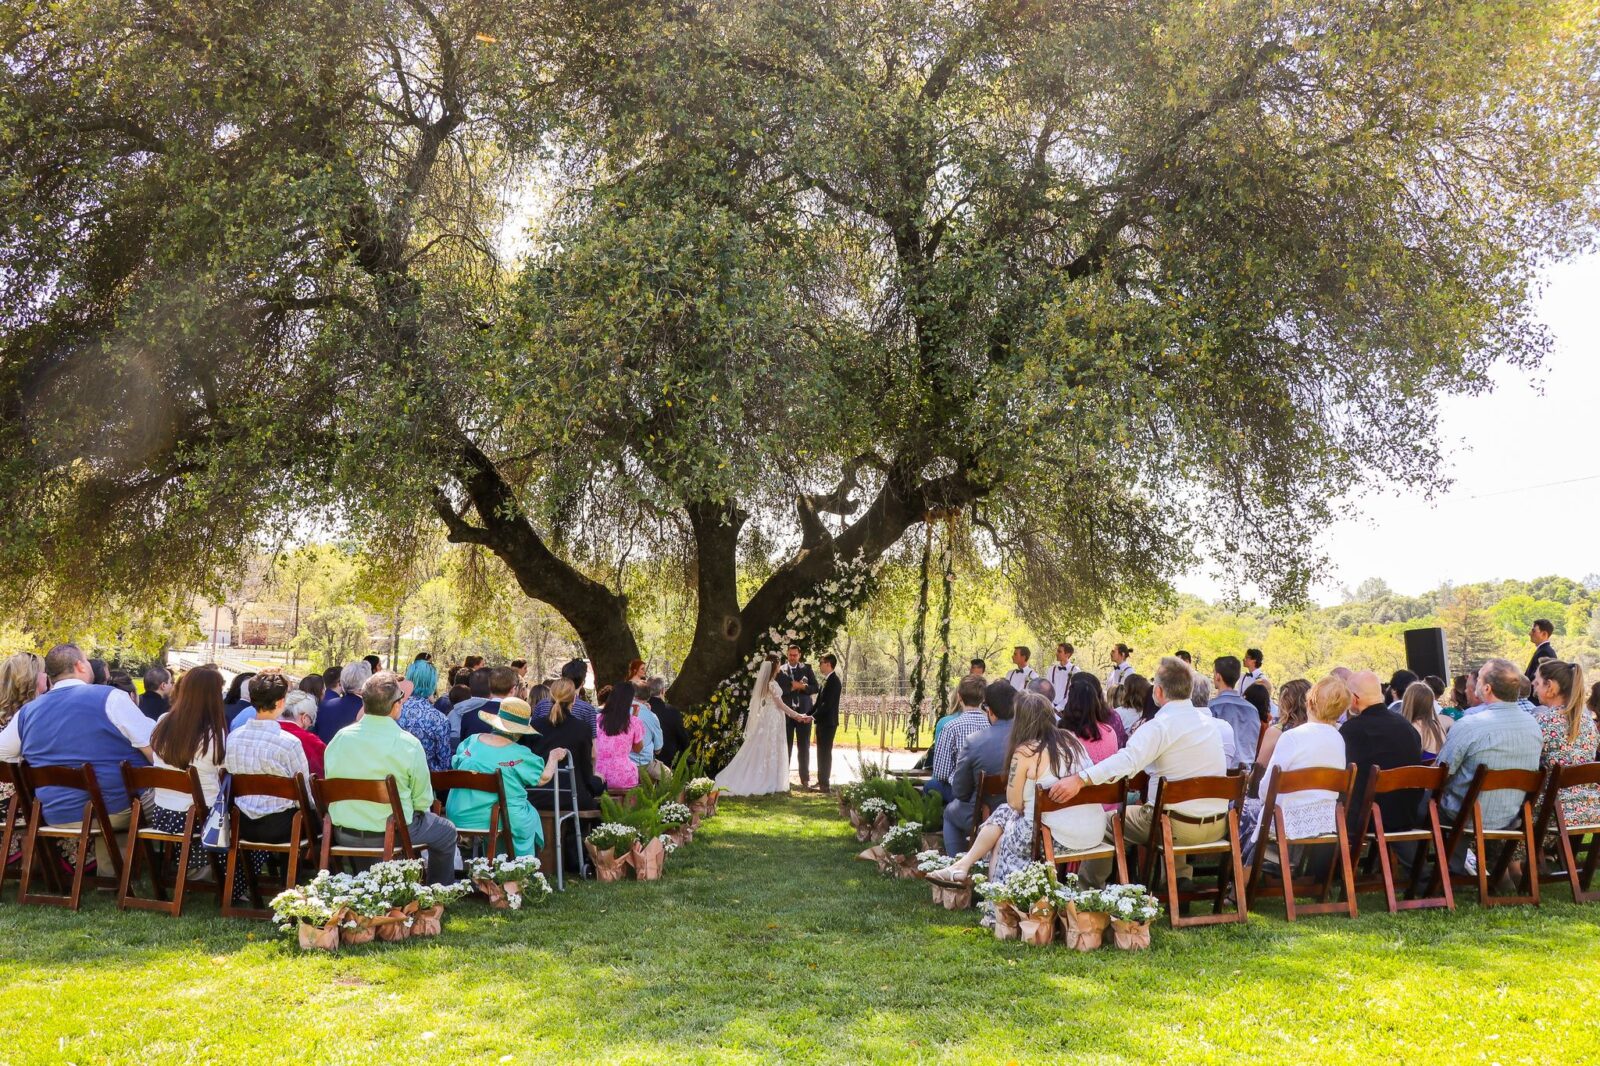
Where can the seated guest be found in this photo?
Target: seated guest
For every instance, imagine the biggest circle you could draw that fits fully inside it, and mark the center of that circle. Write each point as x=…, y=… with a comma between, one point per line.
x=1455, y=707
x=536, y=693
x=1292, y=711
x=1569, y=734
x=502, y=685
x=1374, y=735
x=457, y=694
x=238, y=697
x=1227, y=705
x=1500, y=736
x=559, y=728
x=331, y=689
x=376, y=747
x=1316, y=743
x=239, y=718
x=1135, y=696
x=520, y=768
x=190, y=734
x=1201, y=697
x=345, y=709
x=21, y=679
x=299, y=720
x=1395, y=691
x=1181, y=741
x=1107, y=715
x=99, y=673
x=373, y=661
x=1420, y=709
x=947, y=748
x=618, y=737
x=674, y=738
x=1039, y=753
x=645, y=758
x=1080, y=716
x=420, y=718
x=313, y=686
x=463, y=713
x=74, y=724
x=264, y=745
x=983, y=754
x=123, y=682
x=1259, y=696
x=157, y=689
x=575, y=671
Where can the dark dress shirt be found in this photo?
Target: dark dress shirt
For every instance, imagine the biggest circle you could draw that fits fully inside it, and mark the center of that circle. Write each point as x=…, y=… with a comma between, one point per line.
x=1380, y=737
x=674, y=738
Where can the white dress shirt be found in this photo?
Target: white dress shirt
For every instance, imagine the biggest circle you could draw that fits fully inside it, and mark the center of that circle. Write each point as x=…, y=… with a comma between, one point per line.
x=124, y=715
x=1119, y=673
x=1250, y=678
x=1180, y=742
x=1019, y=676
x=1060, y=677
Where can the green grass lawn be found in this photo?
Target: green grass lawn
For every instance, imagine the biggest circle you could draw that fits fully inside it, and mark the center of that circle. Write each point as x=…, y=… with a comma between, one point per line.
x=768, y=941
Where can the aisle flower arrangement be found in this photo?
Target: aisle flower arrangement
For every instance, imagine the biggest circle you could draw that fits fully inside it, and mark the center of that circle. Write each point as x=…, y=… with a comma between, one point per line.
x=950, y=897
x=1132, y=909
x=509, y=882
x=387, y=901
x=679, y=822
x=610, y=846
x=873, y=818
x=700, y=795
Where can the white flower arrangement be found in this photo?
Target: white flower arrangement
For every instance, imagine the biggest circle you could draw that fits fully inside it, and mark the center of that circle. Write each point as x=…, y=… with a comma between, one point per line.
x=699, y=788
x=903, y=839
x=872, y=807
x=674, y=814
x=929, y=861
x=1034, y=882
x=668, y=845
x=373, y=893
x=1128, y=903
x=613, y=836
x=522, y=871
x=431, y=896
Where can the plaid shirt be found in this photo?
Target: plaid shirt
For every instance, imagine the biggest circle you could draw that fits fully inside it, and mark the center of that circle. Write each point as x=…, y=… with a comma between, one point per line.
x=951, y=739
x=1501, y=736
x=261, y=747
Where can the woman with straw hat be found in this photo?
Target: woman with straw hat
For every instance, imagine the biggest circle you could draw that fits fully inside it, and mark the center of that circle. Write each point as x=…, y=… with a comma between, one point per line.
x=484, y=753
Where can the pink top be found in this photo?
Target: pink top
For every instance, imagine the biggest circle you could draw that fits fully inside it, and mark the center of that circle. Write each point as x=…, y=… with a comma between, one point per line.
x=1099, y=749
x=611, y=754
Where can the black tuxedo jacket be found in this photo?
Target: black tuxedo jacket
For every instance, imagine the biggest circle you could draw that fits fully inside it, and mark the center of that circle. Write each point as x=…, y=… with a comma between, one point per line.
x=1543, y=651
x=674, y=738
x=799, y=702
x=826, y=709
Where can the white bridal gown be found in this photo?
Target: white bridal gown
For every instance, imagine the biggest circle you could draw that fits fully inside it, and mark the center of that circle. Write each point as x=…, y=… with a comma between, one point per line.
x=762, y=763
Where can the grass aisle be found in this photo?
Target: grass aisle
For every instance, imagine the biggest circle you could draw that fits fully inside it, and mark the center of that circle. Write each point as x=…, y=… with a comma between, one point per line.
x=769, y=942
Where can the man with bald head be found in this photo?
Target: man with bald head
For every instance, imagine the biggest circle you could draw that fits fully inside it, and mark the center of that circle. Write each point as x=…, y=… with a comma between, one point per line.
x=1501, y=736
x=1376, y=736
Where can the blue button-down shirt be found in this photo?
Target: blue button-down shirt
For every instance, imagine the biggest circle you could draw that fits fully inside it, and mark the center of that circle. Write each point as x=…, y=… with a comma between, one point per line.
x=1500, y=736
x=653, y=737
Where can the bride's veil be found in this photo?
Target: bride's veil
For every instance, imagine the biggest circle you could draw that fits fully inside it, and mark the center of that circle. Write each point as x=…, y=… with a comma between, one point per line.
x=759, y=692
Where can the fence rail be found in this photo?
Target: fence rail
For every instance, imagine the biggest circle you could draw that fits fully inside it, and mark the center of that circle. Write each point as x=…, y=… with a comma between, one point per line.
x=884, y=716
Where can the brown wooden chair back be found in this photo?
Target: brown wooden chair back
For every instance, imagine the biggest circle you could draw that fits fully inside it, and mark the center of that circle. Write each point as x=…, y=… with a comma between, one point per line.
x=1112, y=792
x=1273, y=830
x=396, y=832
x=1529, y=783
x=989, y=786
x=36, y=850
x=296, y=850
x=1229, y=788
x=499, y=815
x=1571, y=839
x=15, y=821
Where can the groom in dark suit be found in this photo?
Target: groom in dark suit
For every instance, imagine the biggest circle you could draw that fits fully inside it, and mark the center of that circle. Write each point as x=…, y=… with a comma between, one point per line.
x=798, y=684
x=826, y=715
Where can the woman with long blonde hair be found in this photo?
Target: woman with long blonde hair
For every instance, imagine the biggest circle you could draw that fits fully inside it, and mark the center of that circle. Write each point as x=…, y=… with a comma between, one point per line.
x=558, y=728
x=1569, y=733
x=1420, y=707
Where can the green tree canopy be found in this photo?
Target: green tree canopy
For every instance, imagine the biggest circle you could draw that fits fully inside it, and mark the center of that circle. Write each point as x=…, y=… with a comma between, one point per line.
x=1127, y=285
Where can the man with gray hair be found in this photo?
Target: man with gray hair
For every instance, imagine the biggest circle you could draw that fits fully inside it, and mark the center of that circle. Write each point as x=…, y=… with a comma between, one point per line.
x=1180, y=742
x=674, y=737
x=1500, y=736
x=337, y=713
x=376, y=747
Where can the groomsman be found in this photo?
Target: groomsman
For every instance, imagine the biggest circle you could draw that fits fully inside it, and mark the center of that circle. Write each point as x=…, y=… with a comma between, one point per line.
x=1121, y=668
x=1252, y=669
x=977, y=668
x=1060, y=673
x=1540, y=634
x=799, y=684
x=825, y=715
x=1021, y=673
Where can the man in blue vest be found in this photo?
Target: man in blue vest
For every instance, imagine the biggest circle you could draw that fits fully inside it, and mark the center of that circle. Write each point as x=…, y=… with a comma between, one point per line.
x=76, y=722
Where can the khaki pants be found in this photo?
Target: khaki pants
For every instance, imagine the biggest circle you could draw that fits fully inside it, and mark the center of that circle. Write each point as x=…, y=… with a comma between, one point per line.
x=102, y=852
x=1137, y=825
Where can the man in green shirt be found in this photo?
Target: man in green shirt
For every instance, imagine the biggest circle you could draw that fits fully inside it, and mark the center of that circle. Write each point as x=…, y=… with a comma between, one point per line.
x=372, y=749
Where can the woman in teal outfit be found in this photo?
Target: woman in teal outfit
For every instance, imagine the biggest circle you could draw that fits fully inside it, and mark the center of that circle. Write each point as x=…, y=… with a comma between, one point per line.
x=484, y=753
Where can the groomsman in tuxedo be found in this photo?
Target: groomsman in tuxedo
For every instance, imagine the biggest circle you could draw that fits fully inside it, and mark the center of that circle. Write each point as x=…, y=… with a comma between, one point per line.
x=1021, y=673
x=1540, y=634
x=825, y=713
x=1060, y=674
x=799, y=684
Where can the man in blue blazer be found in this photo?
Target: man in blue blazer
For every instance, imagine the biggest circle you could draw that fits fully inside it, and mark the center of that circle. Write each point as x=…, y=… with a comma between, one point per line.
x=983, y=753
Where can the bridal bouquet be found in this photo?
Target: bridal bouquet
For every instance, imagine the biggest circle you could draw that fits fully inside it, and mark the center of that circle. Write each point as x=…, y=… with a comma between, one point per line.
x=508, y=882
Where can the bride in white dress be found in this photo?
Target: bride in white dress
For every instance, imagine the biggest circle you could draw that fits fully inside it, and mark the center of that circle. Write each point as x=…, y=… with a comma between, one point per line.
x=761, y=765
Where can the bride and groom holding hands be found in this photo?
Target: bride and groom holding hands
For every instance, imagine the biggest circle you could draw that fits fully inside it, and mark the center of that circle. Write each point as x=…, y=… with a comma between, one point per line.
x=786, y=701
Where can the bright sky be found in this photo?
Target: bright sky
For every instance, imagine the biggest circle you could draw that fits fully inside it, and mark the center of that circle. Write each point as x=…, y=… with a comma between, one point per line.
x=1526, y=434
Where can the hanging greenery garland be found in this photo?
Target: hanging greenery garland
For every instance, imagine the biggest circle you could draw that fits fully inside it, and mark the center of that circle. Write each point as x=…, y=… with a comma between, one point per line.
x=947, y=568
x=919, y=642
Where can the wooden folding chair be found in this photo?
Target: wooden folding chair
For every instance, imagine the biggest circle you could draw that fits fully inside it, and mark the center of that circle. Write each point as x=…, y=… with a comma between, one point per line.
x=1162, y=846
x=297, y=849
x=396, y=833
x=1044, y=847
x=1371, y=830
x=1520, y=831
x=990, y=786
x=1287, y=783
x=14, y=826
x=142, y=839
x=1587, y=835
x=93, y=822
x=499, y=814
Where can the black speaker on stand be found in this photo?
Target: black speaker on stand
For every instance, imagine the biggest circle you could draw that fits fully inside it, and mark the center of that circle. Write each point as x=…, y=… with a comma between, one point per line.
x=1425, y=653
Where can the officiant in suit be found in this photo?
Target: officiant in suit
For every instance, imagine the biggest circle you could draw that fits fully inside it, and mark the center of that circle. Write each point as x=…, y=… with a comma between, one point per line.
x=798, y=685
x=826, y=715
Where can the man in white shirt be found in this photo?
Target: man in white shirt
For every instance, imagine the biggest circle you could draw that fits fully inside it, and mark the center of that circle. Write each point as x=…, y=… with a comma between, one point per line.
x=1060, y=674
x=1121, y=668
x=1020, y=673
x=1252, y=669
x=1180, y=742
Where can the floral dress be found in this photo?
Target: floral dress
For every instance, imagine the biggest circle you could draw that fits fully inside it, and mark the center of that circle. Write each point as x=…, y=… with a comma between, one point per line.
x=1581, y=803
x=613, y=754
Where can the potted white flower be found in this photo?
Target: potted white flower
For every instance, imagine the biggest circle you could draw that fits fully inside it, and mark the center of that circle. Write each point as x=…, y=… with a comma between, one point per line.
x=1032, y=892
x=1131, y=908
x=950, y=897
x=431, y=901
x=394, y=884
x=610, y=846
x=1086, y=915
x=1007, y=922
x=678, y=820
x=877, y=815
x=311, y=913
x=701, y=794
x=508, y=882
x=900, y=845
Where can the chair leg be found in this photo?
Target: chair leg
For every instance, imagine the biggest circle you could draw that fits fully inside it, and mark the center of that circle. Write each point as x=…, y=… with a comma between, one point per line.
x=1285, y=868
x=1174, y=903
x=85, y=847
x=1242, y=908
x=130, y=867
x=1343, y=859
x=1386, y=864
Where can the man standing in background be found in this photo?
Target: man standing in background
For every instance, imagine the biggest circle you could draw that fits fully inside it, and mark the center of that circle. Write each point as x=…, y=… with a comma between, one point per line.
x=825, y=716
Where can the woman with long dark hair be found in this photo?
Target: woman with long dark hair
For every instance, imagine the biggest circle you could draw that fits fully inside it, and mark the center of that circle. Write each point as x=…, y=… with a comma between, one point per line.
x=1081, y=717
x=194, y=733
x=617, y=735
x=1039, y=753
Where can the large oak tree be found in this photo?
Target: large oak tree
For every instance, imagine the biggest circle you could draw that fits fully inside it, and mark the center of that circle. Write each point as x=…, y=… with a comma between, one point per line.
x=1125, y=283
